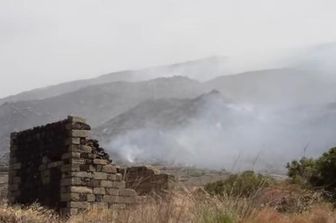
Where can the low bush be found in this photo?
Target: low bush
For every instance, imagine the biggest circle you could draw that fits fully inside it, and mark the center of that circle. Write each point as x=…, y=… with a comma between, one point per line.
x=244, y=184
x=318, y=174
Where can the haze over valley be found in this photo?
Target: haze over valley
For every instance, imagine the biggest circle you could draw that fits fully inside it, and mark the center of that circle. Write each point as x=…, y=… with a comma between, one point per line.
x=173, y=115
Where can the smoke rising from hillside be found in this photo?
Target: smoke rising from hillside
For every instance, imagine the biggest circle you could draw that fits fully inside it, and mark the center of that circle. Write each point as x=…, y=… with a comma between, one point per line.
x=234, y=137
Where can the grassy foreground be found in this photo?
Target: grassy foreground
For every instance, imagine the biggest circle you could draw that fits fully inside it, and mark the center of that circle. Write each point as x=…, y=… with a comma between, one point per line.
x=180, y=207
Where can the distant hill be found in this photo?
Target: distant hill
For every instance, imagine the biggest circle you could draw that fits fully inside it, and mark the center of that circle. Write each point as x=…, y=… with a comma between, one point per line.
x=279, y=111
x=277, y=87
x=98, y=103
x=164, y=113
x=213, y=131
x=201, y=69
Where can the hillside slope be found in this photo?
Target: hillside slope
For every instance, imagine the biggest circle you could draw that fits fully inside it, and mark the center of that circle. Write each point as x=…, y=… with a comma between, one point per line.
x=98, y=103
x=201, y=69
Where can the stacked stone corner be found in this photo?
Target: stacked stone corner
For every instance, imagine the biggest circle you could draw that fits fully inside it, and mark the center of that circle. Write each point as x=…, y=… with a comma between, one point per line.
x=67, y=171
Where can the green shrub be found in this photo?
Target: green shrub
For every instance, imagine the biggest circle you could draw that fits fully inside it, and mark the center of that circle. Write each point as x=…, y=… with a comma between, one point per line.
x=302, y=171
x=316, y=173
x=242, y=185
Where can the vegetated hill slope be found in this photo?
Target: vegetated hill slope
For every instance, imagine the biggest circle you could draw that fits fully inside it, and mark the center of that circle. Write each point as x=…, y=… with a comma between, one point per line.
x=196, y=69
x=176, y=131
x=162, y=114
x=98, y=103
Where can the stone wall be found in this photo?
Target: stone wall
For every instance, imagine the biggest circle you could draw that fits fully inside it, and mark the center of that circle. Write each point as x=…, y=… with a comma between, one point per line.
x=57, y=166
x=147, y=180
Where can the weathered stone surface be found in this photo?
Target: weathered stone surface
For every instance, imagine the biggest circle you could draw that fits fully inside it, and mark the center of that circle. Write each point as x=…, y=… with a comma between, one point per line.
x=79, y=204
x=100, y=176
x=106, y=183
x=55, y=164
x=112, y=191
x=127, y=200
x=100, y=205
x=72, y=141
x=80, y=189
x=76, y=119
x=82, y=174
x=91, y=197
x=109, y=169
x=146, y=179
x=111, y=199
x=127, y=192
x=71, y=155
x=85, y=149
x=70, y=197
x=79, y=133
x=100, y=161
x=99, y=190
x=60, y=168
x=118, y=184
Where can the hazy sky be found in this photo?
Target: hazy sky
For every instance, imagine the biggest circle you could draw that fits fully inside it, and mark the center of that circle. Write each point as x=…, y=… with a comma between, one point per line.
x=44, y=42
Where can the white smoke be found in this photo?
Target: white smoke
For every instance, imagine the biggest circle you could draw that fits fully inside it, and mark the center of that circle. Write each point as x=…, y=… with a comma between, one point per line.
x=230, y=136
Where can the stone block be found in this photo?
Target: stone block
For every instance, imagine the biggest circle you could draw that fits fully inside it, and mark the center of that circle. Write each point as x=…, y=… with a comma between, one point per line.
x=65, y=189
x=75, y=119
x=127, y=200
x=66, y=168
x=70, y=197
x=66, y=182
x=78, y=161
x=99, y=190
x=112, y=177
x=69, y=211
x=45, y=180
x=42, y=167
x=118, y=184
x=79, y=204
x=100, y=205
x=80, y=189
x=85, y=149
x=100, y=161
x=87, y=167
x=111, y=199
x=55, y=164
x=70, y=155
x=127, y=192
x=119, y=176
x=82, y=174
x=77, y=181
x=91, y=197
x=109, y=168
x=100, y=176
x=72, y=141
x=94, y=183
x=79, y=133
x=115, y=206
x=16, y=180
x=106, y=183
x=16, y=166
x=99, y=168
x=14, y=187
x=112, y=191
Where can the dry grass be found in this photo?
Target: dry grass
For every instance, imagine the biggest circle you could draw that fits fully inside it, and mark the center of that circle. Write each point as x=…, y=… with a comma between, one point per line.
x=32, y=214
x=180, y=207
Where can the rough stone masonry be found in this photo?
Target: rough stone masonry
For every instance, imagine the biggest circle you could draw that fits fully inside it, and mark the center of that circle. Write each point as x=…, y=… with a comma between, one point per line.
x=148, y=180
x=58, y=166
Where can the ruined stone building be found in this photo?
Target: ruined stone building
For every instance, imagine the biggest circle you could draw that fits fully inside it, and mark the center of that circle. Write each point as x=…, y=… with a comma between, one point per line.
x=58, y=166
x=146, y=180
